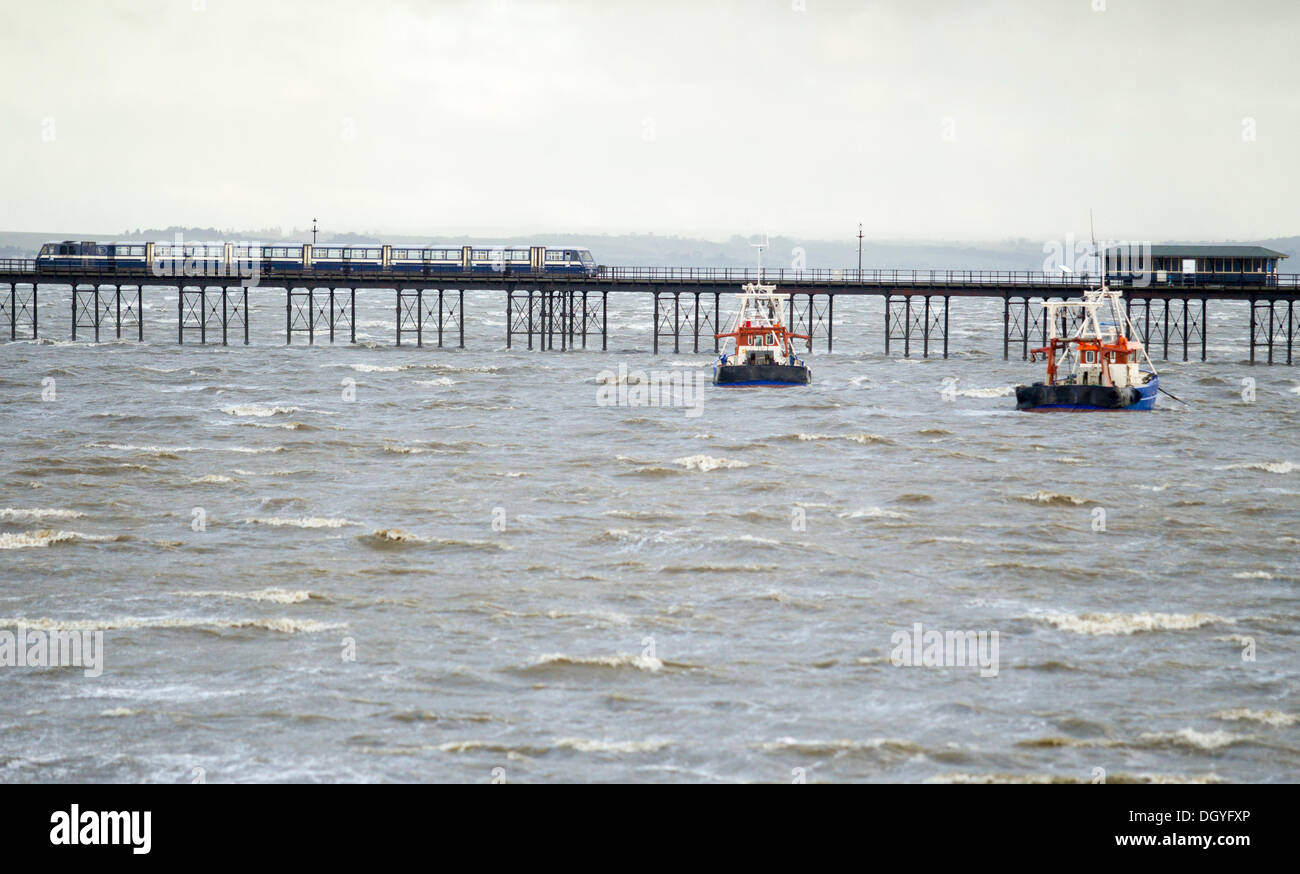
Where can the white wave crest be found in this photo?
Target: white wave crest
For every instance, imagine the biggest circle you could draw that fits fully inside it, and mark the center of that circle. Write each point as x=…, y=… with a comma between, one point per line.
x=1265, y=466
x=1266, y=717
x=284, y=625
x=706, y=463
x=275, y=596
x=301, y=522
x=10, y=514
x=49, y=537
x=1129, y=623
x=259, y=412
x=621, y=660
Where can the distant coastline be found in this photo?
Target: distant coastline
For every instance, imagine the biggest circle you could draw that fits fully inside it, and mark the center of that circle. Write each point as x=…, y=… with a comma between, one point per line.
x=654, y=250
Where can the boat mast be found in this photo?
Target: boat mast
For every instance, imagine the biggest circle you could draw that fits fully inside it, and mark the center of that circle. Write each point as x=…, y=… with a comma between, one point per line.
x=760, y=247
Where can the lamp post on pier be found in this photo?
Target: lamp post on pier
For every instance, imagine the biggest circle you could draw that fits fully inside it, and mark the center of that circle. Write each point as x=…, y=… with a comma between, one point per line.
x=859, y=250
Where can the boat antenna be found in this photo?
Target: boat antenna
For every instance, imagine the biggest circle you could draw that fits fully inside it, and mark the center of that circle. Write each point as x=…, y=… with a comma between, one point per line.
x=1101, y=261
x=760, y=247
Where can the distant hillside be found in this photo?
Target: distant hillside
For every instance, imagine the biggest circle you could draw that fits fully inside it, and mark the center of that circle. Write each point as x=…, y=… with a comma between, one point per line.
x=653, y=250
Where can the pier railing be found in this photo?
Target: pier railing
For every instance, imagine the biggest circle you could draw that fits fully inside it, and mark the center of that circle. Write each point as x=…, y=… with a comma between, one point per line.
x=905, y=277
x=13, y=268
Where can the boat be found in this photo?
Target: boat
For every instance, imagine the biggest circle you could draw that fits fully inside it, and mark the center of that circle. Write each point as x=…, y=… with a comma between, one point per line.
x=762, y=351
x=1097, y=366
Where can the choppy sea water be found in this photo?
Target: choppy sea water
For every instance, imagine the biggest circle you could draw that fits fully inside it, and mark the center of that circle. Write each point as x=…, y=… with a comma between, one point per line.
x=663, y=597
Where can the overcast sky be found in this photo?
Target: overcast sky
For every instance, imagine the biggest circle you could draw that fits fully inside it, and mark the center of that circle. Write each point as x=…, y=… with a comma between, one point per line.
x=923, y=119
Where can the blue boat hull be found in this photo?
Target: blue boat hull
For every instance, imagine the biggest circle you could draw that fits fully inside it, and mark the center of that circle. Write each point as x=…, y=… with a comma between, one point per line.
x=1039, y=397
x=761, y=374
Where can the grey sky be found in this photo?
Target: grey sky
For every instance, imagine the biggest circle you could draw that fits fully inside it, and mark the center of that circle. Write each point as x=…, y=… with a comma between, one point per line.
x=924, y=120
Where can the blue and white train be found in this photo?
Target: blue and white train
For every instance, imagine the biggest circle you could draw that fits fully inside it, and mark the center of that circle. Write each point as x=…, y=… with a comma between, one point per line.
x=214, y=259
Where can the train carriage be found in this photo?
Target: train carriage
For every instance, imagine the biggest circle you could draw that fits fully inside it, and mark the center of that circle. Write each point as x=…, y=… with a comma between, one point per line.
x=346, y=259
x=216, y=259
x=89, y=255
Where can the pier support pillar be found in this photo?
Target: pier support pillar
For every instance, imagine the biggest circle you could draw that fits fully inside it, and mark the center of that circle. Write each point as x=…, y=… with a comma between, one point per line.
x=1165, y=322
x=19, y=309
x=1022, y=318
x=410, y=309
x=592, y=319
x=451, y=315
x=128, y=310
x=195, y=309
x=343, y=312
x=936, y=323
x=300, y=311
x=234, y=313
x=667, y=318
x=898, y=321
x=103, y=306
x=656, y=321
x=520, y=315
x=812, y=314
x=442, y=310
x=85, y=309
x=1273, y=323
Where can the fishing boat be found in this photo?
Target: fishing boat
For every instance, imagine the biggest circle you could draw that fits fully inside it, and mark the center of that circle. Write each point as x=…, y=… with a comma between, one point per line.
x=1093, y=362
x=762, y=347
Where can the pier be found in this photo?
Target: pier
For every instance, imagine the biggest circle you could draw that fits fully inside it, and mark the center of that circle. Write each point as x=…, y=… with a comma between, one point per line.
x=569, y=312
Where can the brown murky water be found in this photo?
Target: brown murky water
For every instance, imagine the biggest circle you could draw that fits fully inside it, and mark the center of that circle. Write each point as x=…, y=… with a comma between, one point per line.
x=473, y=566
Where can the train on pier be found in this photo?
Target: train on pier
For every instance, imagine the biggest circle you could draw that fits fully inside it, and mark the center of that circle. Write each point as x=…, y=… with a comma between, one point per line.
x=215, y=259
